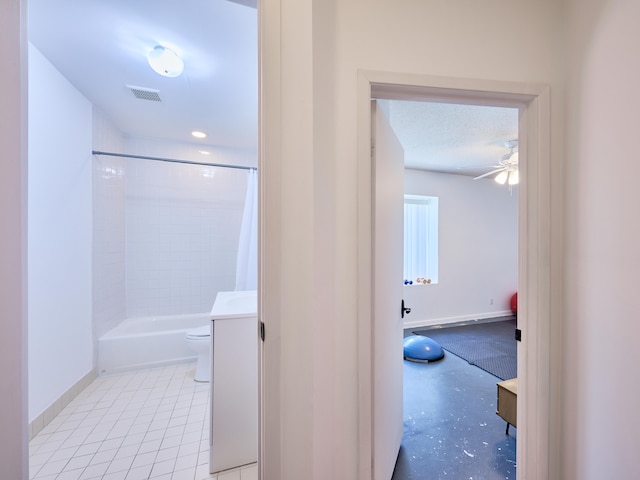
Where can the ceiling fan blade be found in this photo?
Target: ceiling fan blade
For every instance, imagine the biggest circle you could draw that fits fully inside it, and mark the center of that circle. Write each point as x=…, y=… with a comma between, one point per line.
x=488, y=173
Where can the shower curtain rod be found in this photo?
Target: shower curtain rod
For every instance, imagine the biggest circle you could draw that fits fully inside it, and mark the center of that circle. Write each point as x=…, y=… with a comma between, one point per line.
x=172, y=160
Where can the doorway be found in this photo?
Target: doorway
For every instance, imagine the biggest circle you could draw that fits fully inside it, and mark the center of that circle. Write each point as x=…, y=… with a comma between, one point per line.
x=450, y=421
x=170, y=151
x=533, y=240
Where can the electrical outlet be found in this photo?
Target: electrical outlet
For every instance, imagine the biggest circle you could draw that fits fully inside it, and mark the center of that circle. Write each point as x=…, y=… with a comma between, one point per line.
x=491, y=301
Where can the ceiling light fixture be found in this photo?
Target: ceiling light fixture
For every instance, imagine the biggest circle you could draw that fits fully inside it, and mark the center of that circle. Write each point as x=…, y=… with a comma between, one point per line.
x=501, y=178
x=165, y=61
x=198, y=134
x=507, y=168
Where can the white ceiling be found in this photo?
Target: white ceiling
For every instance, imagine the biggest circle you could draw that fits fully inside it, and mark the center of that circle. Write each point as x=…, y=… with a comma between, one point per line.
x=100, y=46
x=452, y=138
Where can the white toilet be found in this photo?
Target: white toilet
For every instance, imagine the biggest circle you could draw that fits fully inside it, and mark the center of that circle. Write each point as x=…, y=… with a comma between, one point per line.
x=199, y=340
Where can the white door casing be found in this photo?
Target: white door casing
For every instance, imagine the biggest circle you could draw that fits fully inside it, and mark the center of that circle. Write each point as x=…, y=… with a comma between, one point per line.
x=535, y=381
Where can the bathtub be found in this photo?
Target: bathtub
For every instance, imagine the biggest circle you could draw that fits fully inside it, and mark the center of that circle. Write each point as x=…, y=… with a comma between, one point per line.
x=146, y=342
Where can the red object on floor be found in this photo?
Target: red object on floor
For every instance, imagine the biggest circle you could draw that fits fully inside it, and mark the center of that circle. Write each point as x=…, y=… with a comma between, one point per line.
x=514, y=303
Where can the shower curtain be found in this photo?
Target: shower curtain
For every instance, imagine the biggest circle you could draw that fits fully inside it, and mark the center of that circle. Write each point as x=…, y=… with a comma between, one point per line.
x=247, y=261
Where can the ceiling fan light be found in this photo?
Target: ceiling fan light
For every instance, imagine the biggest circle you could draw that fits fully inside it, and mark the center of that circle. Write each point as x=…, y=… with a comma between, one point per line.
x=514, y=177
x=501, y=178
x=165, y=61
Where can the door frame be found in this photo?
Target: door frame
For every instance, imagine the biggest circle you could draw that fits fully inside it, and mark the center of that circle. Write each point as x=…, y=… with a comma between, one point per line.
x=534, y=244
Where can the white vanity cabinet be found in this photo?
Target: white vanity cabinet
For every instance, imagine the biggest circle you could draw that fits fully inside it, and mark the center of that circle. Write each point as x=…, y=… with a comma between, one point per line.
x=233, y=438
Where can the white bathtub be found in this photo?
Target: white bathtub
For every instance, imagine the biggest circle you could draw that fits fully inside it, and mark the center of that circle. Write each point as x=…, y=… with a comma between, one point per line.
x=146, y=342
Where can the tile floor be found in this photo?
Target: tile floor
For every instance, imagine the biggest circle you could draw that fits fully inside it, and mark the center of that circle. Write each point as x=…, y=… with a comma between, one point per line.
x=147, y=424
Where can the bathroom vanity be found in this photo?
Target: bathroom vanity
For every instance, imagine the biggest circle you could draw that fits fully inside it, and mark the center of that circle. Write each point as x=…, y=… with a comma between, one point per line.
x=233, y=438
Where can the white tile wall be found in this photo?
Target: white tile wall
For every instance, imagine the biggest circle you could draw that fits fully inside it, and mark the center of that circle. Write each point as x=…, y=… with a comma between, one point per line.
x=108, y=227
x=165, y=234
x=182, y=229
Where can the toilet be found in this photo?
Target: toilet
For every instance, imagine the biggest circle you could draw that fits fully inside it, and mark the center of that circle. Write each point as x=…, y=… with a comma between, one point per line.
x=199, y=340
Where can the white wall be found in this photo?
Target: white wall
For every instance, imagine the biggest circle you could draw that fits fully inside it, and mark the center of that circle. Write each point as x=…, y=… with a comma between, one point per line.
x=13, y=248
x=183, y=226
x=59, y=240
x=601, y=333
x=477, y=254
x=312, y=53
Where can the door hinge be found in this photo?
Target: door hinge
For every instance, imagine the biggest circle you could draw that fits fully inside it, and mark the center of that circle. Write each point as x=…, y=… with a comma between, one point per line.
x=518, y=335
x=262, y=331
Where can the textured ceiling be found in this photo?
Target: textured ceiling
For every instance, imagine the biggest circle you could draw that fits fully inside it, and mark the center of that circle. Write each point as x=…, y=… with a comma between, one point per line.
x=452, y=138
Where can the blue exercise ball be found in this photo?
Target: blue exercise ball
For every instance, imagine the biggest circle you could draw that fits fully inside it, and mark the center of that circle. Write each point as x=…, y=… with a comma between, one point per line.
x=418, y=348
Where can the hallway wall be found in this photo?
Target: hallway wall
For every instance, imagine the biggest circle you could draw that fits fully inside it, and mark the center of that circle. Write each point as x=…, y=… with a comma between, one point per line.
x=312, y=54
x=601, y=328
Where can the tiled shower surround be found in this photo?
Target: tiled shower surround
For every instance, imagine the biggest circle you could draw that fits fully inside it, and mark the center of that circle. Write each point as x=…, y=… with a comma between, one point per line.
x=165, y=237
x=182, y=229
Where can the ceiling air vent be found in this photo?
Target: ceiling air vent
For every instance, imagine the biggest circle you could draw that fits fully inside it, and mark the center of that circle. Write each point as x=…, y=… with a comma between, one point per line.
x=145, y=93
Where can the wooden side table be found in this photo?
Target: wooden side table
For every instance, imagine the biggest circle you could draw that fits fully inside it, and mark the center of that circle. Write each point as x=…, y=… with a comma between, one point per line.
x=508, y=402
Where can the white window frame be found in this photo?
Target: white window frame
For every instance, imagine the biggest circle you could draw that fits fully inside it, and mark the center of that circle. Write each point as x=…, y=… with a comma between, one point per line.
x=420, y=239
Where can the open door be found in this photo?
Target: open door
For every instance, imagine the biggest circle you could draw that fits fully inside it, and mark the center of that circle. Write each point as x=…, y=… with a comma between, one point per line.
x=388, y=197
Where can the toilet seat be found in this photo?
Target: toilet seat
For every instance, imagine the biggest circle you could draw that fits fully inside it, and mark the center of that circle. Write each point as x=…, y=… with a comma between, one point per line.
x=199, y=333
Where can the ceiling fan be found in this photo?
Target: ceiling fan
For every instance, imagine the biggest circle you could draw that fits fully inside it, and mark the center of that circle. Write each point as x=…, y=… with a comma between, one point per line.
x=507, y=167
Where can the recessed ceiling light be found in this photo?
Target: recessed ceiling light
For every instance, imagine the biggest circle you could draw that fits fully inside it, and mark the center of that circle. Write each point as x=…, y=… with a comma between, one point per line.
x=204, y=152
x=198, y=134
x=165, y=61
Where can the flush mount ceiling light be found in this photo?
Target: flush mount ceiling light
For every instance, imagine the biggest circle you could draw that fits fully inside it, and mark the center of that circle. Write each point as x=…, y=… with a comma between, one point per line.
x=165, y=61
x=198, y=134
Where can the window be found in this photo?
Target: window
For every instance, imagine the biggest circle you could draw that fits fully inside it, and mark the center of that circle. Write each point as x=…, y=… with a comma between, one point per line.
x=420, y=239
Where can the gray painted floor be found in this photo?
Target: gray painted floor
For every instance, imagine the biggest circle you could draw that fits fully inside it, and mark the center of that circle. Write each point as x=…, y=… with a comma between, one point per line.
x=451, y=430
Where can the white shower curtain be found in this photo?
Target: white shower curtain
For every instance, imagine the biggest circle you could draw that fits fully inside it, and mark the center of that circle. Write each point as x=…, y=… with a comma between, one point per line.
x=247, y=262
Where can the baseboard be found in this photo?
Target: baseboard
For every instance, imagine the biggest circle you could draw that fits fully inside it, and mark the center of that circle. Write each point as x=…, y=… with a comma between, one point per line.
x=478, y=317
x=56, y=407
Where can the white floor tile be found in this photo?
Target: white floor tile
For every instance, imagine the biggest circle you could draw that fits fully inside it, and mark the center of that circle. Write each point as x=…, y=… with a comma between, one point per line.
x=78, y=463
x=102, y=457
x=120, y=465
x=162, y=468
x=230, y=475
x=149, y=424
x=115, y=476
x=184, y=462
x=88, y=448
x=70, y=475
x=144, y=459
x=186, y=474
x=39, y=459
x=139, y=473
x=249, y=473
x=170, y=453
x=94, y=471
